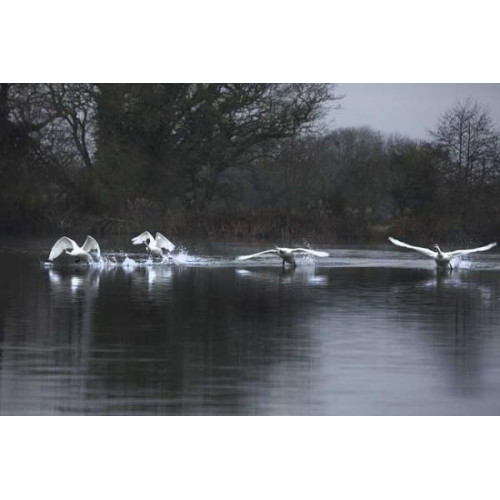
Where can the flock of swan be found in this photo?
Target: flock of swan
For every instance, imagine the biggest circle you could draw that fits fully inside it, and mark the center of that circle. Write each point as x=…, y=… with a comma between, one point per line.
x=91, y=251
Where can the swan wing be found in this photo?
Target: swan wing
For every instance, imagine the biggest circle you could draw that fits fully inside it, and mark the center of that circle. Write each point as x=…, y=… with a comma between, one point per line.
x=245, y=257
x=90, y=245
x=142, y=238
x=60, y=246
x=164, y=243
x=471, y=250
x=425, y=251
x=317, y=253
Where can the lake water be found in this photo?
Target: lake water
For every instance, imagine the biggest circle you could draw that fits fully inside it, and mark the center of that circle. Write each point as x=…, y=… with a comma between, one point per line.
x=370, y=331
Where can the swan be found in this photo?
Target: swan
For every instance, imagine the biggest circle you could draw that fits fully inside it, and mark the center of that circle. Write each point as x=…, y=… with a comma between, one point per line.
x=287, y=254
x=154, y=245
x=442, y=258
x=68, y=246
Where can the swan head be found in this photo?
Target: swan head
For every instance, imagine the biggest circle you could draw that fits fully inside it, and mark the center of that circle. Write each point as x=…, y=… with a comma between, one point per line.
x=436, y=246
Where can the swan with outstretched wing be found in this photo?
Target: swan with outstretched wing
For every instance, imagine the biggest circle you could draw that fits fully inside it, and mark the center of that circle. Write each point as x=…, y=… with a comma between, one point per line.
x=155, y=245
x=287, y=254
x=86, y=252
x=441, y=258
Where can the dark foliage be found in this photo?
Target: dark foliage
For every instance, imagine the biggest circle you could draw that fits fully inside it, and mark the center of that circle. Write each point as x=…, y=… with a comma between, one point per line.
x=237, y=160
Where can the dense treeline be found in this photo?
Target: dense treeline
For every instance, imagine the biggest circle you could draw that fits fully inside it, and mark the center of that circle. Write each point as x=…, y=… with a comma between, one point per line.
x=237, y=160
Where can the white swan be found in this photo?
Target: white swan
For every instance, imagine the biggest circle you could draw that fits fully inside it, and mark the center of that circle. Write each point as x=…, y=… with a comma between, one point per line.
x=287, y=254
x=68, y=246
x=154, y=245
x=442, y=258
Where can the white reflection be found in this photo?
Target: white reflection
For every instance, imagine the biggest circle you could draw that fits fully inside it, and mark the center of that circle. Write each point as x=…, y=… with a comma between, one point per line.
x=446, y=282
x=73, y=295
x=54, y=277
x=76, y=283
x=66, y=284
x=152, y=279
x=308, y=275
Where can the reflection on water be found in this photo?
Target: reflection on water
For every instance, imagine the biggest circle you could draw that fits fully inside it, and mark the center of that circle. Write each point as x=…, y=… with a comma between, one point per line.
x=208, y=336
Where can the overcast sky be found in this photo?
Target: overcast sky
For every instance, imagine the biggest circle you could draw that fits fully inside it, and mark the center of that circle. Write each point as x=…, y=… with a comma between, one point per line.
x=408, y=108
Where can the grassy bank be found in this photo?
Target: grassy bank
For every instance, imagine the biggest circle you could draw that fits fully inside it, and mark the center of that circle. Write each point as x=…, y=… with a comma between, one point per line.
x=265, y=225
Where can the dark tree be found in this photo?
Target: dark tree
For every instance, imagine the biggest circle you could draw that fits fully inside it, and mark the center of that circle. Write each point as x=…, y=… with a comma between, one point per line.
x=182, y=137
x=469, y=148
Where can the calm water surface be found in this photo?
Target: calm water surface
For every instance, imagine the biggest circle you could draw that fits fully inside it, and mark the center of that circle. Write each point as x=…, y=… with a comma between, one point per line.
x=364, y=332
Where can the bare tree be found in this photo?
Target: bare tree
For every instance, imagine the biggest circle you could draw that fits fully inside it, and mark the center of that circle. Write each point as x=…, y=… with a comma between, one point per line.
x=469, y=146
x=75, y=106
x=61, y=117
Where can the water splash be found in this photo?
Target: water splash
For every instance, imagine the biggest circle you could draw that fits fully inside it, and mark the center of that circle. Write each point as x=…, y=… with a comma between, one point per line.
x=306, y=260
x=185, y=258
x=128, y=262
x=461, y=262
x=338, y=258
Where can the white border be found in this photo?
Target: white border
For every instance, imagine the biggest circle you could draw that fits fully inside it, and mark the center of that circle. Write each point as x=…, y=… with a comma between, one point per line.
x=272, y=41
x=249, y=457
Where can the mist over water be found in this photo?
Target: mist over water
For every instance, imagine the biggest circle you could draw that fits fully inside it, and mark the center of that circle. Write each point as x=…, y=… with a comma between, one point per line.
x=364, y=331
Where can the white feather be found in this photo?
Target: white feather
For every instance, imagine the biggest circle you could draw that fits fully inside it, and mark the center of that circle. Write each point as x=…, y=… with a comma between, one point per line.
x=61, y=245
x=471, y=250
x=91, y=245
x=245, y=257
x=142, y=238
x=422, y=250
x=163, y=242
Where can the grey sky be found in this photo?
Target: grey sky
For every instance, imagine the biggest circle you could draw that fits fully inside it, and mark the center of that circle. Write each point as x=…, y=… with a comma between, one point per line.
x=408, y=108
